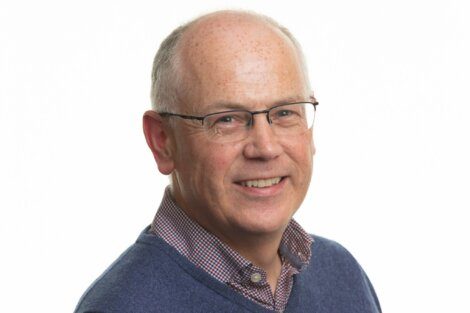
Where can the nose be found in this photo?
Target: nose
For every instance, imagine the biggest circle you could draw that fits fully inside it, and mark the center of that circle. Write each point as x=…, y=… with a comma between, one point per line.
x=262, y=143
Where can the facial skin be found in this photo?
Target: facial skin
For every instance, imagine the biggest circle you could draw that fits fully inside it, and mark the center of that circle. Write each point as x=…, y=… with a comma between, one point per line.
x=232, y=59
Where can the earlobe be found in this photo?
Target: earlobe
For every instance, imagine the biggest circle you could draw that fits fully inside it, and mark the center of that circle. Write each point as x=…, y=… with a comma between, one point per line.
x=158, y=140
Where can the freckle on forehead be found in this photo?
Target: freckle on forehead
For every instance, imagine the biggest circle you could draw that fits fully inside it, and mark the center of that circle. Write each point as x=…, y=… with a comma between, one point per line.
x=231, y=52
x=233, y=26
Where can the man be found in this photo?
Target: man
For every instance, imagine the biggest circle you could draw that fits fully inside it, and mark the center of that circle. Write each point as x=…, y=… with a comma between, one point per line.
x=232, y=124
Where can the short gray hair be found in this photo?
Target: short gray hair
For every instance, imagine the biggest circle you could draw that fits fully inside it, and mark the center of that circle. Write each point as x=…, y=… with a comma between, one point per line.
x=165, y=73
x=165, y=76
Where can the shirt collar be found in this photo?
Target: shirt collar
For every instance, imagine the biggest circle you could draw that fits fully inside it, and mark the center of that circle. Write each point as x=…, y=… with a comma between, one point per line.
x=208, y=252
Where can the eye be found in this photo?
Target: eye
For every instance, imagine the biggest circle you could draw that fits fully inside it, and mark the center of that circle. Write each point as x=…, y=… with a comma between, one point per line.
x=288, y=115
x=227, y=120
x=284, y=113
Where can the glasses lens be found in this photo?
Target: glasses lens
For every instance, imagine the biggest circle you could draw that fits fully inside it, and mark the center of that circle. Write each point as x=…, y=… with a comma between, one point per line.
x=289, y=119
x=227, y=126
x=292, y=119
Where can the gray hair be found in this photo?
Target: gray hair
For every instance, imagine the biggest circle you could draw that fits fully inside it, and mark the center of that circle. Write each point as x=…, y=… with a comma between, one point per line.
x=165, y=72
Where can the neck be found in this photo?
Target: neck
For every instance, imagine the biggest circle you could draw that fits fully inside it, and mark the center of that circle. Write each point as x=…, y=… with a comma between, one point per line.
x=262, y=251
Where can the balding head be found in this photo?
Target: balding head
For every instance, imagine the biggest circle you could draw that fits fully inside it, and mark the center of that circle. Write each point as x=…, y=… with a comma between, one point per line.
x=210, y=44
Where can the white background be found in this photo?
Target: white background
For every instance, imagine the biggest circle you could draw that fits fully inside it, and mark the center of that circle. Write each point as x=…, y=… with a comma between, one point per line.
x=391, y=181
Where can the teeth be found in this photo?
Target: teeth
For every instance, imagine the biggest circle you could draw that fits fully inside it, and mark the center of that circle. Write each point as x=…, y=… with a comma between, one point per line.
x=260, y=183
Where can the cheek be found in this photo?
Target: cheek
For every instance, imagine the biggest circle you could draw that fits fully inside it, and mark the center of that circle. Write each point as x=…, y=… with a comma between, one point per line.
x=212, y=161
x=220, y=158
x=301, y=153
x=302, y=148
x=217, y=153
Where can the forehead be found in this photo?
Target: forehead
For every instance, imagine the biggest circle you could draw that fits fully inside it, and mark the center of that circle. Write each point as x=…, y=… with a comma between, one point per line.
x=238, y=59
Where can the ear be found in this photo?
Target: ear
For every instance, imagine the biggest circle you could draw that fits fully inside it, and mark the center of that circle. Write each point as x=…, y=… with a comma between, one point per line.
x=158, y=140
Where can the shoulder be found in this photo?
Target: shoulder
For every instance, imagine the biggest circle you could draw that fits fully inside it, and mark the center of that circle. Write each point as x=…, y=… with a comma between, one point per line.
x=327, y=249
x=145, y=275
x=336, y=277
x=332, y=259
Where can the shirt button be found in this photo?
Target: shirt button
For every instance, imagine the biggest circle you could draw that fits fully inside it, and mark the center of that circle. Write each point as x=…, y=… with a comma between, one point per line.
x=255, y=277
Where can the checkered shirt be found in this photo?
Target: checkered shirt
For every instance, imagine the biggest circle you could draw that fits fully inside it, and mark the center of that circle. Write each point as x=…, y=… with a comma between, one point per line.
x=209, y=253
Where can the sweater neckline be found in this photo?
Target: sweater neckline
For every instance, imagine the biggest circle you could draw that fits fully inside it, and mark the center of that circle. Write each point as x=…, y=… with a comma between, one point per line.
x=198, y=274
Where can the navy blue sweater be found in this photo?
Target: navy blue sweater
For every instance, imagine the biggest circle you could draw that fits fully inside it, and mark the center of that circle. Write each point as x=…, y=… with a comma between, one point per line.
x=151, y=276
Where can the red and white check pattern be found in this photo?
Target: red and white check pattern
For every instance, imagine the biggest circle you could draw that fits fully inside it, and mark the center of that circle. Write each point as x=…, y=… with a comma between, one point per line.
x=222, y=262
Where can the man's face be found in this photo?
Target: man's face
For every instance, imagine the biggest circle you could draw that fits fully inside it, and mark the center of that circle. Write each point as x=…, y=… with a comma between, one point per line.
x=253, y=70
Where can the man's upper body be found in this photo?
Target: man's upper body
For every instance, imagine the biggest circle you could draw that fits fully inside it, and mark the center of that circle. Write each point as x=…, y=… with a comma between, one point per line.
x=232, y=124
x=186, y=269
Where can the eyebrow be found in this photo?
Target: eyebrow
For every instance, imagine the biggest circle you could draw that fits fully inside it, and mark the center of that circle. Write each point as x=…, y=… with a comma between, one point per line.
x=228, y=105
x=225, y=105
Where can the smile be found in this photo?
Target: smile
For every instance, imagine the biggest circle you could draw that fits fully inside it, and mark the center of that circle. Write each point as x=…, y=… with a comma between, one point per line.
x=261, y=183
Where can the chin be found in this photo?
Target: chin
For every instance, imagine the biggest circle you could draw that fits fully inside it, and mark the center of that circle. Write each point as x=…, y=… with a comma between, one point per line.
x=264, y=224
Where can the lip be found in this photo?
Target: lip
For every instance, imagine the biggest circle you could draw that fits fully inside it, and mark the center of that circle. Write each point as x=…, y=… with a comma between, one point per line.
x=264, y=191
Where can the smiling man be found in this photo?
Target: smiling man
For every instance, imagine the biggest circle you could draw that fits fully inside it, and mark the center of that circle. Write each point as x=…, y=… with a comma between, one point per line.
x=232, y=124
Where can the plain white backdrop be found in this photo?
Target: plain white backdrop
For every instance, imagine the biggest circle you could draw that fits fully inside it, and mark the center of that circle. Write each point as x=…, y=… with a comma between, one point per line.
x=391, y=178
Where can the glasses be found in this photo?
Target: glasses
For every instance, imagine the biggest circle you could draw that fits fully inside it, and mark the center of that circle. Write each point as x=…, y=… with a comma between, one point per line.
x=289, y=119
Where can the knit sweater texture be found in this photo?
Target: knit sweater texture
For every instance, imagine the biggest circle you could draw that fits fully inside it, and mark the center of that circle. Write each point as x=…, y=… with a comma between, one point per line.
x=151, y=276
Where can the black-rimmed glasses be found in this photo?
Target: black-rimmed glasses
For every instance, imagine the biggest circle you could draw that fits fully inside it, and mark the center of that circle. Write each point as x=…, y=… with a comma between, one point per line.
x=288, y=119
